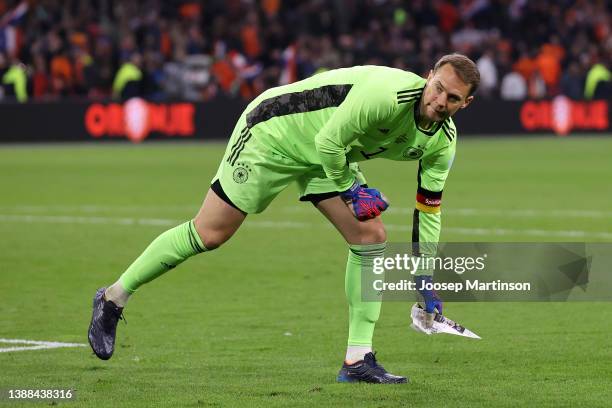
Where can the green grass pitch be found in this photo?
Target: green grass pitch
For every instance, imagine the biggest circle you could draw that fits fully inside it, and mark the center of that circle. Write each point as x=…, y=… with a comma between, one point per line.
x=263, y=320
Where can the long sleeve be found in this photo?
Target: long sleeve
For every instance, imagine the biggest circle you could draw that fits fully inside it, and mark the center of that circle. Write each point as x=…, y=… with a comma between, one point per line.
x=362, y=109
x=426, y=222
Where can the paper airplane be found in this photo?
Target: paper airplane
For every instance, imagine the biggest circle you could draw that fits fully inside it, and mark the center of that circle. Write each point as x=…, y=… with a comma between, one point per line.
x=441, y=324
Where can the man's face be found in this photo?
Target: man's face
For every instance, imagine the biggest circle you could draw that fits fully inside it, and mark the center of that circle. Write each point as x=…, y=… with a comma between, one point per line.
x=444, y=94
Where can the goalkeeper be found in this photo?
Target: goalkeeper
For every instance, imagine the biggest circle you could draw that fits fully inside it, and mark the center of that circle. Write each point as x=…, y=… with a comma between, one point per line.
x=313, y=132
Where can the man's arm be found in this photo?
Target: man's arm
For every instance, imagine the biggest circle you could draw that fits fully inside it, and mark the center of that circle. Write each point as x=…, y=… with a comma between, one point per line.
x=426, y=222
x=363, y=107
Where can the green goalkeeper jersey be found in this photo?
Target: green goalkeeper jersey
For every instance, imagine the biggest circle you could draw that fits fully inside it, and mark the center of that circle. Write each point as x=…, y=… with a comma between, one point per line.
x=354, y=114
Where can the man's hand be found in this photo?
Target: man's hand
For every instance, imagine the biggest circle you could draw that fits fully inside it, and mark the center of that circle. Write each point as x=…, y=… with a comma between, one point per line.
x=431, y=298
x=364, y=203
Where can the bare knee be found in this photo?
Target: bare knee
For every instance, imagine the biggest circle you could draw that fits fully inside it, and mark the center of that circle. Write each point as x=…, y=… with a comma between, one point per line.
x=217, y=221
x=372, y=233
x=212, y=238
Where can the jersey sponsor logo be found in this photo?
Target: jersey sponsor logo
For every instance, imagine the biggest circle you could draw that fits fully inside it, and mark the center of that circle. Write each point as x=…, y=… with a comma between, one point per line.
x=241, y=173
x=432, y=202
x=412, y=153
x=428, y=201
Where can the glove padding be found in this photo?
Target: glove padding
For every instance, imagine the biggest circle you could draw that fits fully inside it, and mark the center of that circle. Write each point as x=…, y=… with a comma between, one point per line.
x=364, y=203
x=430, y=297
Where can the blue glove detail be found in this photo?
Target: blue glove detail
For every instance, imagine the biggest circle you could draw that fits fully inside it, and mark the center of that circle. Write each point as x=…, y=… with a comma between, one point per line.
x=431, y=298
x=365, y=203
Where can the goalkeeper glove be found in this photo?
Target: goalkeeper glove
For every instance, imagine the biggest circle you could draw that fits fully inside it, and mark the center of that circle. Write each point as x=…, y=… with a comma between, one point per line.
x=431, y=298
x=364, y=203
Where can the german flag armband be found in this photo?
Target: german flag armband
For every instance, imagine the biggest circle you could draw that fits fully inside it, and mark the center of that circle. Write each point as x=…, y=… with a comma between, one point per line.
x=428, y=201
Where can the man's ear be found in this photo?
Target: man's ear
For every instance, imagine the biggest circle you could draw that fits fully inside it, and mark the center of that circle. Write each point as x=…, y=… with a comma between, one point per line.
x=468, y=100
x=430, y=74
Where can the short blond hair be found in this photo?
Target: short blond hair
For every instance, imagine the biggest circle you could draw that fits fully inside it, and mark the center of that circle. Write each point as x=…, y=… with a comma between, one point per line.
x=464, y=67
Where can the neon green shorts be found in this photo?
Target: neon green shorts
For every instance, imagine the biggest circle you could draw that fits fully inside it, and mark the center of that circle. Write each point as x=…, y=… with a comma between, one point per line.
x=252, y=174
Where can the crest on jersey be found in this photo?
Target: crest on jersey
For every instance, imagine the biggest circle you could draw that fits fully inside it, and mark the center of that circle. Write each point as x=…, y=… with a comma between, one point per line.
x=413, y=153
x=241, y=174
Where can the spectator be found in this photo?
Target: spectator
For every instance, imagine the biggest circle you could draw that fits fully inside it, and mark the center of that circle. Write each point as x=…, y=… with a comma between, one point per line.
x=526, y=66
x=81, y=46
x=15, y=82
x=448, y=16
x=3, y=69
x=597, y=77
x=513, y=87
x=548, y=63
x=488, y=74
x=40, y=78
x=536, y=87
x=128, y=81
x=62, y=73
x=572, y=81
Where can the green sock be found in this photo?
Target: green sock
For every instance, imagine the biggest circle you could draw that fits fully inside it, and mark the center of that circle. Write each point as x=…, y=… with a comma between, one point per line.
x=362, y=315
x=165, y=252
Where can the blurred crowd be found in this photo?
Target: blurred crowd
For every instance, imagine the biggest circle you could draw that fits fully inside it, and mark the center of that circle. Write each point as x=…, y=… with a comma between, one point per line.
x=197, y=50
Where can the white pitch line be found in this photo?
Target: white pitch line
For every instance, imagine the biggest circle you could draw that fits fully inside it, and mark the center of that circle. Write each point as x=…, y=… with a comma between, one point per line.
x=479, y=212
x=65, y=219
x=464, y=212
x=35, y=345
x=99, y=208
x=69, y=219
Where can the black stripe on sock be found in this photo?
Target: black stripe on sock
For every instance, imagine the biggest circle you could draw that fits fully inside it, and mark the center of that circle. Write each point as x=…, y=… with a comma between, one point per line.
x=369, y=253
x=194, y=240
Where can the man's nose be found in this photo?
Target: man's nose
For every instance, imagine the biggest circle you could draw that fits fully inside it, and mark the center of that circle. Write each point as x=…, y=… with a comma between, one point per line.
x=441, y=99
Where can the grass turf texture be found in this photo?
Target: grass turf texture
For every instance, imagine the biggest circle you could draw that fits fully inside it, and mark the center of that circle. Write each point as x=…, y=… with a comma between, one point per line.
x=262, y=321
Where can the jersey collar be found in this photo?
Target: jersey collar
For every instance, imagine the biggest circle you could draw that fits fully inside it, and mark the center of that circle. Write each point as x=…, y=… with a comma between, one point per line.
x=431, y=132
